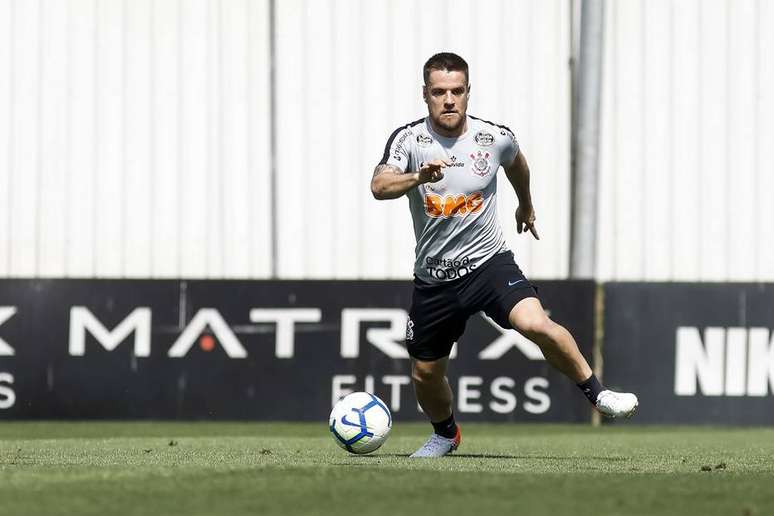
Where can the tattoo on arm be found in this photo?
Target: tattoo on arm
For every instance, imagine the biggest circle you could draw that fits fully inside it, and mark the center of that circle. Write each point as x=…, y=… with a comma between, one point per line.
x=381, y=169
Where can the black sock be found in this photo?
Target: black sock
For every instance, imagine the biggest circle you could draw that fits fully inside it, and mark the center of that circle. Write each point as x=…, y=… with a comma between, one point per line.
x=591, y=388
x=446, y=428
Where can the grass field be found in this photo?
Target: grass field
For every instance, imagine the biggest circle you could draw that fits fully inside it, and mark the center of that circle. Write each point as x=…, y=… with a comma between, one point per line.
x=191, y=469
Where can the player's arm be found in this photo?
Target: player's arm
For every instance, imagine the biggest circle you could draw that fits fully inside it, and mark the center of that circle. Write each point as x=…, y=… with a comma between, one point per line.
x=518, y=175
x=389, y=182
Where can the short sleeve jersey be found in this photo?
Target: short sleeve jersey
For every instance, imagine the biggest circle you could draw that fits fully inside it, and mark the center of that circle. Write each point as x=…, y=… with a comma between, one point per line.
x=455, y=219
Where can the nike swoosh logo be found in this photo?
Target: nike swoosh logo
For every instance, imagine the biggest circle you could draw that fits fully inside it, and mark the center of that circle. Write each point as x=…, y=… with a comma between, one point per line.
x=518, y=281
x=350, y=423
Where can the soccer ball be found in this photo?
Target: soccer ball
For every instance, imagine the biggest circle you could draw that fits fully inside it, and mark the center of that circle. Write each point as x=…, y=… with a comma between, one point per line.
x=360, y=422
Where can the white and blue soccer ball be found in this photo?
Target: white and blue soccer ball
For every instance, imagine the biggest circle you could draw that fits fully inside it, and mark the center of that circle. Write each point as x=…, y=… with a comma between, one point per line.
x=360, y=422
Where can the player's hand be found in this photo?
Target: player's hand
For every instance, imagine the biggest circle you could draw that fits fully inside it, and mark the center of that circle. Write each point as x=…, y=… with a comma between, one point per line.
x=525, y=220
x=432, y=171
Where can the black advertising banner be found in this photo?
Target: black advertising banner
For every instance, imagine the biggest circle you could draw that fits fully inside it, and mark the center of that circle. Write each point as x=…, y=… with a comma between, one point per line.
x=262, y=350
x=693, y=353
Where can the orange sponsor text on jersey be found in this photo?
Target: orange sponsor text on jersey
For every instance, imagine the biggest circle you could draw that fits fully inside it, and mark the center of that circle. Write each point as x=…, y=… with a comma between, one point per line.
x=438, y=206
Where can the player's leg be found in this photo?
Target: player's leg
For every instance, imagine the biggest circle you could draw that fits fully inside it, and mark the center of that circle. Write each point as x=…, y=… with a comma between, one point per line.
x=507, y=296
x=435, y=396
x=432, y=388
x=556, y=343
x=435, y=323
x=561, y=351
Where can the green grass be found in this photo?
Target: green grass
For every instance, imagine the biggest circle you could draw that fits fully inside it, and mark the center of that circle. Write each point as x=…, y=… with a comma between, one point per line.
x=117, y=469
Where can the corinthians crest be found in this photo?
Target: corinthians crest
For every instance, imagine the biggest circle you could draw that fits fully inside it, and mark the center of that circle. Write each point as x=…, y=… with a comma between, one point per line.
x=481, y=164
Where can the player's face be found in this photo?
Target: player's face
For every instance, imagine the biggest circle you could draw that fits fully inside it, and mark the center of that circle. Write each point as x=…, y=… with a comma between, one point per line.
x=446, y=94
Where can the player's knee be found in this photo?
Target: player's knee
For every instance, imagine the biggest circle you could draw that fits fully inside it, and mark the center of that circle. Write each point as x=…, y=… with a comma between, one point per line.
x=537, y=325
x=425, y=373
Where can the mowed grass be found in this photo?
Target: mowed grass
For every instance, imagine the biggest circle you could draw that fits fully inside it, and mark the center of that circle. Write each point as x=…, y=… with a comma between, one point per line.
x=191, y=469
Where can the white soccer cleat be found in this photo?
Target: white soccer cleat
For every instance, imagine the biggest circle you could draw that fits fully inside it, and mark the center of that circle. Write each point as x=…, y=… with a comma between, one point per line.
x=438, y=446
x=617, y=404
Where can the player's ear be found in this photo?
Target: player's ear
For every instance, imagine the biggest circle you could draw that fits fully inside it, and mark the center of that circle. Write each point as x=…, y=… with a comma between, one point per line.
x=467, y=95
x=424, y=93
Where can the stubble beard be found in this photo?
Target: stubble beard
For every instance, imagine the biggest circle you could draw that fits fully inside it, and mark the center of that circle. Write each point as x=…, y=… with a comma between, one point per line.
x=451, y=124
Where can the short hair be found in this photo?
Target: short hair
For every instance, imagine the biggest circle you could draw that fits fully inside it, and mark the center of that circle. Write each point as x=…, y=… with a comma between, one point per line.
x=446, y=61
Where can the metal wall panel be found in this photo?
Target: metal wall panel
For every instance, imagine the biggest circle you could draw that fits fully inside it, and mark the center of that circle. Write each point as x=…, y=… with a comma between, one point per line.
x=134, y=138
x=349, y=73
x=687, y=109
x=134, y=135
x=23, y=138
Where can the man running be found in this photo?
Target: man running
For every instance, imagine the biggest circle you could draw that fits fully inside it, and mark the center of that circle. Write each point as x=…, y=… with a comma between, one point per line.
x=446, y=163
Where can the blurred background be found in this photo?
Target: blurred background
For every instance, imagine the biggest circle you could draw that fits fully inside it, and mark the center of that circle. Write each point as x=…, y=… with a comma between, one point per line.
x=151, y=149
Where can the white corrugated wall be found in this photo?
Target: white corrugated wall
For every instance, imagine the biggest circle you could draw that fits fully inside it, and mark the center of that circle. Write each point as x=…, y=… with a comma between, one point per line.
x=134, y=138
x=350, y=73
x=687, y=169
x=135, y=134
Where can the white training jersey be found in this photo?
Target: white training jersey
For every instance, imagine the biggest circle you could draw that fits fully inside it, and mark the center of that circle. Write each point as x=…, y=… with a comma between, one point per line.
x=455, y=219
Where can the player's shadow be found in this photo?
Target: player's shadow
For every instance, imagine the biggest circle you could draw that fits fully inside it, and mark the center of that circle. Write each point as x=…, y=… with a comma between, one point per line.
x=533, y=457
x=498, y=456
x=462, y=455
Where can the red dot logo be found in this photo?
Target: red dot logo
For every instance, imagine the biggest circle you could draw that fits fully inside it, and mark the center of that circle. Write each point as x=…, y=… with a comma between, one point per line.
x=207, y=343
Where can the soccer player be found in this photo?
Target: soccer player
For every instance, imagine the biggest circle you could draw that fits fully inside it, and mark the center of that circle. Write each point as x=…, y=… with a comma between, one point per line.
x=446, y=163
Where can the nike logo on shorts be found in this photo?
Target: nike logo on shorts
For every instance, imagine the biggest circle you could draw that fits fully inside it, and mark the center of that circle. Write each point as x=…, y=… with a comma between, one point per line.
x=510, y=284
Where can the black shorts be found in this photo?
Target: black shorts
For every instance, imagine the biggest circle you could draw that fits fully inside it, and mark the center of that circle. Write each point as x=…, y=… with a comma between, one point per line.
x=439, y=311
